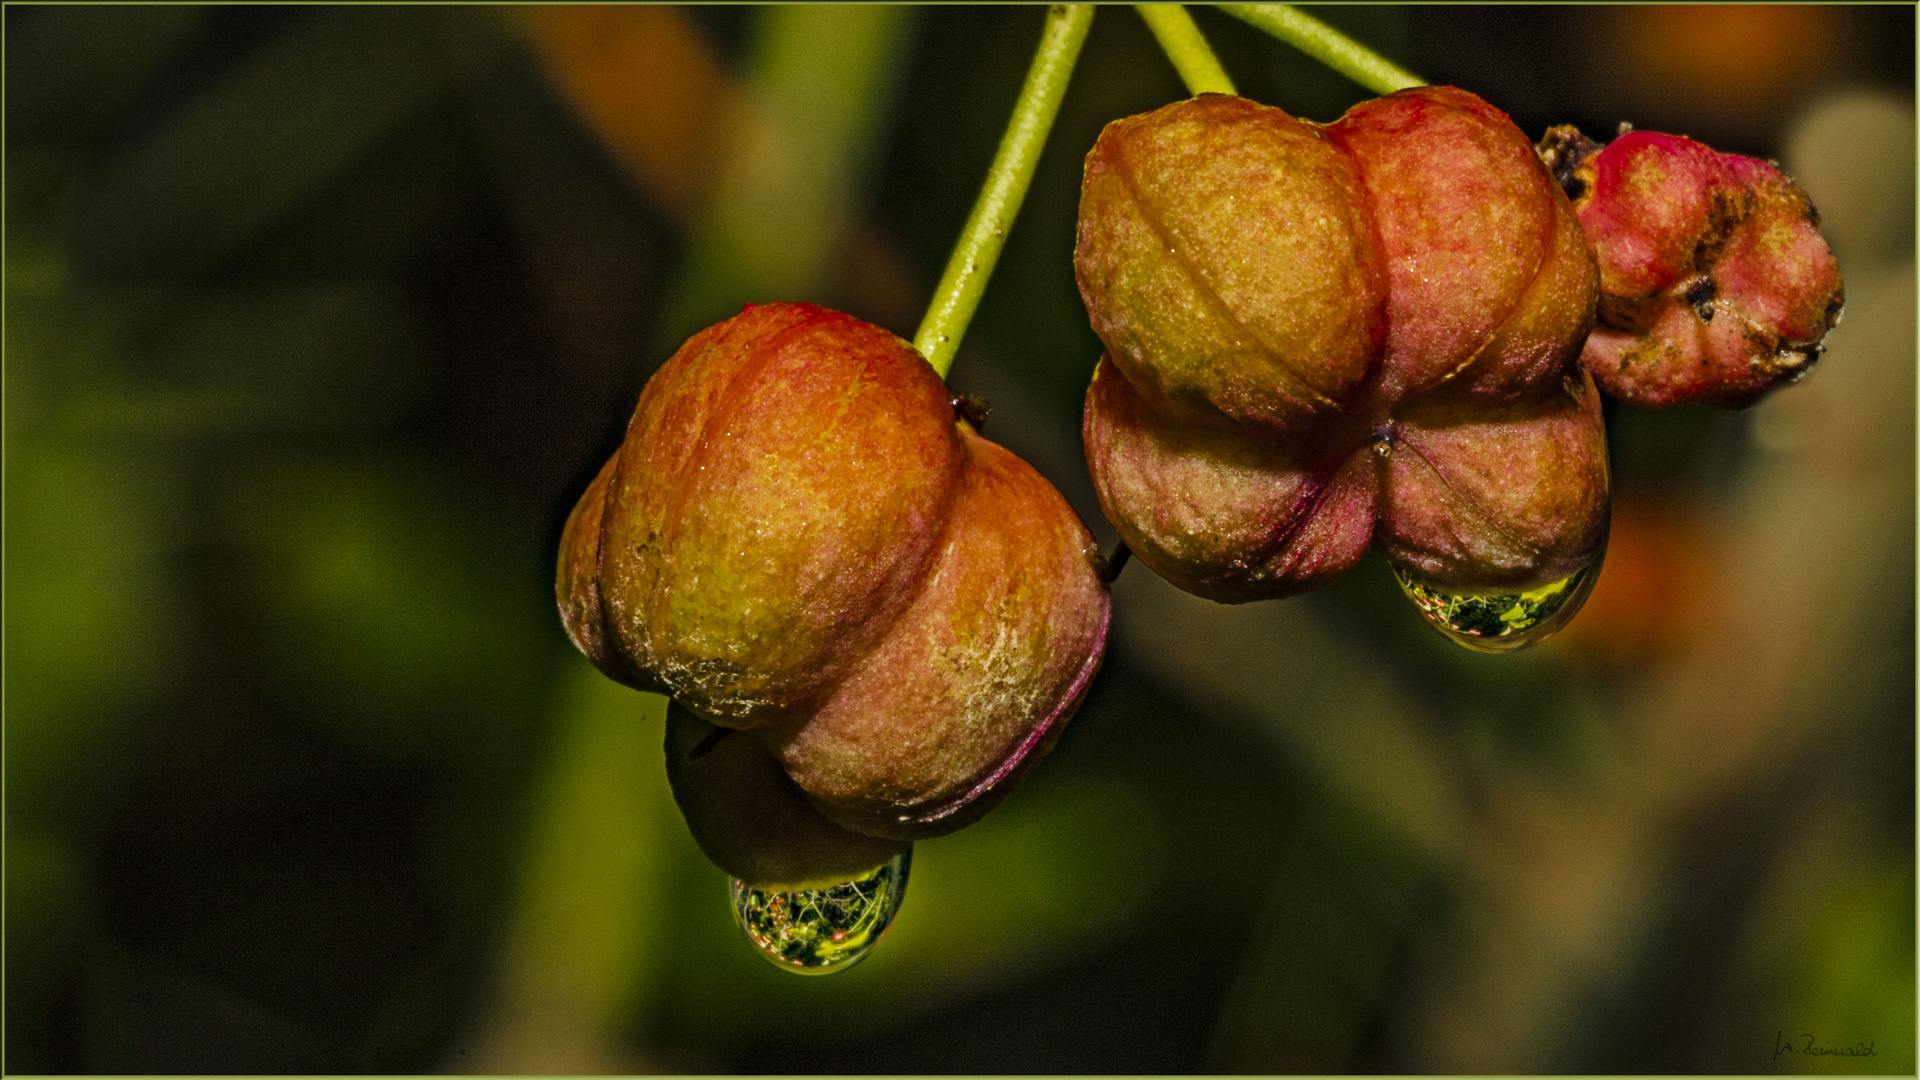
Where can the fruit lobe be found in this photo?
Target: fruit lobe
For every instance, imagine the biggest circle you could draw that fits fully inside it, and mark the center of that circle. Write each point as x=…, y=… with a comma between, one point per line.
x=1716, y=283
x=1488, y=277
x=798, y=539
x=1434, y=289
x=783, y=482
x=751, y=819
x=1233, y=254
x=1001, y=633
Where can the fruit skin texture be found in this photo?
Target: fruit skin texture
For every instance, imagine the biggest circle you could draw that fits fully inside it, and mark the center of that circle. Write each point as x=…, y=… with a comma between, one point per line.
x=1319, y=337
x=798, y=540
x=1716, y=285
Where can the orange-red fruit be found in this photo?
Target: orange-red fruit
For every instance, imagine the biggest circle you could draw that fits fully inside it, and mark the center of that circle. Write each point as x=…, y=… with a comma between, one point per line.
x=798, y=539
x=1323, y=336
x=1716, y=285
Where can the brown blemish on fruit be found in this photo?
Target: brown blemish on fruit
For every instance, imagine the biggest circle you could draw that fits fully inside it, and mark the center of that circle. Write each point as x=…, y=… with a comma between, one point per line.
x=1700, y=293
x=971, y=409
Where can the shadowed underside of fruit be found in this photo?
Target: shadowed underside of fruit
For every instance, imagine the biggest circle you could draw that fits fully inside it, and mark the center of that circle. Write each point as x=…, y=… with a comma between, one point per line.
x=800, y=541
x=751, y=819
x=1324, y=337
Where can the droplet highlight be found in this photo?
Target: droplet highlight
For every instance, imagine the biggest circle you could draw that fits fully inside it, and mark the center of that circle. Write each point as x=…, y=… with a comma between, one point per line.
x=820, y=931
x=1502, y=622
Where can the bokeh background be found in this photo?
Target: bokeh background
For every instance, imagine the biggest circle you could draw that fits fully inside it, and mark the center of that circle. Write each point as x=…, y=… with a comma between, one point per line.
x=318, y=319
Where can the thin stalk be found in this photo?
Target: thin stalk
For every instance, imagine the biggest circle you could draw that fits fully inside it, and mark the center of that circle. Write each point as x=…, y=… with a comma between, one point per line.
x=978, y=248
x=1327, y=45
x=1184, y=45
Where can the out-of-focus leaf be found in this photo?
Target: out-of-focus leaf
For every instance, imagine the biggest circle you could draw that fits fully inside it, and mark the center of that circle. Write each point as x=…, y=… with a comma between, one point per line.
x=1673, y=65
x=642, y=76
x=238, y=156
x=817, y=90
x=1342, y=895
x=1828, y=948
x=595, y=256
x=72, y=68
x=375, y=218
x=90, y=527
x=47, y=914
x=145, y=1013
x=89, y=611
x=1856, y=980
x=1054, y=876
x=1331, y=706
x=49, y=342
x=390, y=599
x=587, y=933
x=1853, y=154
x=259, y=361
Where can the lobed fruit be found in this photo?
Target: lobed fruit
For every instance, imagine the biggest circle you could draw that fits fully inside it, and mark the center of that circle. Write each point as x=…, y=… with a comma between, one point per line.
x=1716, y=285
x=1321, y=337
x=800, y=542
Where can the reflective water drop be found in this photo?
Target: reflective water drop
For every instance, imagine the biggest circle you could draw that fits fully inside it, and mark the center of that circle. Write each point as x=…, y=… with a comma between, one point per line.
x=1502, y=622
x=818, y=931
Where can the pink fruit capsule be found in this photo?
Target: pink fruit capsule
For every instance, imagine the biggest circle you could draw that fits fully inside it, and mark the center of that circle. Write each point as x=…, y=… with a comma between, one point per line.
x=1716, y=285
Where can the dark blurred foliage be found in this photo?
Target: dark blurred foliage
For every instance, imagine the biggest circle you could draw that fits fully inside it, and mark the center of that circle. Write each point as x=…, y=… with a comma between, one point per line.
x=318, y=319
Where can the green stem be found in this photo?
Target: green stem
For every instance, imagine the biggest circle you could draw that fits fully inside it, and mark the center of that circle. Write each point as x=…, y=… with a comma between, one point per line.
x=978, y=248
x=1183, y=44
x=1327, y=45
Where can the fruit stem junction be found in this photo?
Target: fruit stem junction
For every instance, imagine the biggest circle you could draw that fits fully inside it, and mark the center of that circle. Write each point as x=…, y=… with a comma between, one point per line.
x=978, y=248
x=1327, y=45
x=1184, y=45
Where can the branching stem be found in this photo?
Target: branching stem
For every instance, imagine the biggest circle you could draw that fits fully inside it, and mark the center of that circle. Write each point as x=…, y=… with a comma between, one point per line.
x=1184, y=45
x=1327, y=45
x=978, y=248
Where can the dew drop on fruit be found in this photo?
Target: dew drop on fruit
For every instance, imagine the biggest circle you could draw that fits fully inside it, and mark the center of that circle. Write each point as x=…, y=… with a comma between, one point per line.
x=819, y=931
x=1502, y=622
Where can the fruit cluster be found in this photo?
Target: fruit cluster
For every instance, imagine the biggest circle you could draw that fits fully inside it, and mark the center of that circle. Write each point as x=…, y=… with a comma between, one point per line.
x=1319, y=337
x=1385, y=330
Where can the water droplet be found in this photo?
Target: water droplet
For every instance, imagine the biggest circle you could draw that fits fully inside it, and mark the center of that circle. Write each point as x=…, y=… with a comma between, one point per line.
x=818, y=931
x=1502, y=622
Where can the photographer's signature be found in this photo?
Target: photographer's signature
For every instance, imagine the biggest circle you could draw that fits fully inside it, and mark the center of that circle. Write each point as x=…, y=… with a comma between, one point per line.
x=1807, y=1046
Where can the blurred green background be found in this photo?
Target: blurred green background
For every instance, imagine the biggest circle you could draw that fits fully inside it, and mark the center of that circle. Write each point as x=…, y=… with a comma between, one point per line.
x=318, y=319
